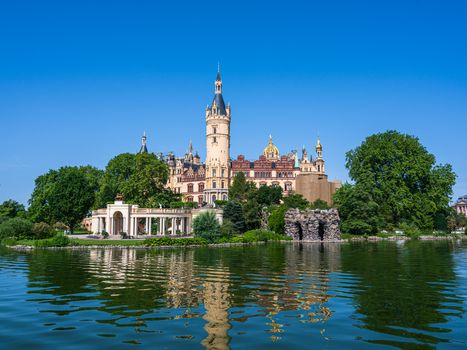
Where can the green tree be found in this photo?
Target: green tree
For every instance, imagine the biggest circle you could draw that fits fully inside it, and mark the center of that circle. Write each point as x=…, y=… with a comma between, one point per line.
x=268, y=195
x=17, y=227
x=252, y=214
x=141, y=178
x=276, y=220
x=207, y=226
x=296, y=201
x=64, y=195
x=319, y=204
x=358, y=212
x=11, y=209
x=241, y=189
x=233, y=212
x=395, y=172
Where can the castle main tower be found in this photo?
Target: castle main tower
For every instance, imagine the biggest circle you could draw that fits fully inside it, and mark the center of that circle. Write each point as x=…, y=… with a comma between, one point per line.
x=217, y=146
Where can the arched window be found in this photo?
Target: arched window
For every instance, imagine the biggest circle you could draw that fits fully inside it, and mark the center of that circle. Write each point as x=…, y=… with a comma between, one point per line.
x=201, y=187
x=190, y=188
x=213, y=198
x=200, y=200
x=189, y=199
x=224, y=197
x=222, y=184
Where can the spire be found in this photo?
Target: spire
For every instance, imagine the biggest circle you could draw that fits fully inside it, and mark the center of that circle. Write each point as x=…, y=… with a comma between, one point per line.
x=143, y=148
x=218, y=78
x=191, y=147
x=319, y=149
x=218, y=99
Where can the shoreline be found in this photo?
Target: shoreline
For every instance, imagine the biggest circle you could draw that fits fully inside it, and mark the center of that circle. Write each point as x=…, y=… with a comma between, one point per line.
x=220, y=245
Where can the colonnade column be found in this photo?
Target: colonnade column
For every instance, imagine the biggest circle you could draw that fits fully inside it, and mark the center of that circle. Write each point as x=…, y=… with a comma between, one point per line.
x=174, y=232
x=149, y=226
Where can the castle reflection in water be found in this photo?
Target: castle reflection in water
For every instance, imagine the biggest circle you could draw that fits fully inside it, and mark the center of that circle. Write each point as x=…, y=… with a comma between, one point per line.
x=208, y=282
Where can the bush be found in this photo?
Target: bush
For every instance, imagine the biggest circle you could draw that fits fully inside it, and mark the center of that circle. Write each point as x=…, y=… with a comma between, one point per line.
x=411, y=231
x=9, y=241
x=207, y=226
x=59, y=240
x=105, y=234
x=42, y=230
x=16, y=228
x=276, y=220
x=167, y=241
x=227, y=229
x=259, y=236
x=357, y=227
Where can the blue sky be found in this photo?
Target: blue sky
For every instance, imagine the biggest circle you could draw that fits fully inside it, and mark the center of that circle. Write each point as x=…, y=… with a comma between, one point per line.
x=81, y=80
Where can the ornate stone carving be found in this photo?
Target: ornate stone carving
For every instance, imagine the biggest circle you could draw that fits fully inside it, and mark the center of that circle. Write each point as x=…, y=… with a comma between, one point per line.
x=312, y=224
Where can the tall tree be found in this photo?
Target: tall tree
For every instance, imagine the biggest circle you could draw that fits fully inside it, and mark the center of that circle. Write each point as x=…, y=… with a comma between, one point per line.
x=396, y=173
x=11, y=209
x=141, y=178
x=64, y=195
x=241, y=189
x=268, y=195
x=233, y=211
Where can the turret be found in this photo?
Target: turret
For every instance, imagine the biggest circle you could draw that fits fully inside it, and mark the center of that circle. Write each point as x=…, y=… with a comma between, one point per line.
x=143, y=148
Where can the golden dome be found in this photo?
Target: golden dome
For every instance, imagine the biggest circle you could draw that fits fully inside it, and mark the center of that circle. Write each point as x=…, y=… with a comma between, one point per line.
x=271, y=151
x=319, y=147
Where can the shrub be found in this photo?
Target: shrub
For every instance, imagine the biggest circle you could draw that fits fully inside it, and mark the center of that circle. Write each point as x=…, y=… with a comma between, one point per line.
x=59, y=240
x=42, y=230
x=105, y=234
x=357, y=227
x=167, y=241
x=9, y=241
x=124, y=235
x=276, y=220
x=17, y=227
x=227, y=229
x=259, y=236
x=411, y=231
x=207, y=226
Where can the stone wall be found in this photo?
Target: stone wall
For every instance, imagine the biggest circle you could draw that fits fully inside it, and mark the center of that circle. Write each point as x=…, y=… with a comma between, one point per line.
x=312, y=224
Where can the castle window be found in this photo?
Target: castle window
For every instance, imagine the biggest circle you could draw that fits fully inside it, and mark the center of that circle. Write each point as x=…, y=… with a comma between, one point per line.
x=222, y=184
x=214, y=139
x=189, y=199
x=200, y=200
x=201, y=187
x=213, y=172
x=190, y=188
x=224, y=197
x=214, y=130
x=214, y=185
x=223, y=172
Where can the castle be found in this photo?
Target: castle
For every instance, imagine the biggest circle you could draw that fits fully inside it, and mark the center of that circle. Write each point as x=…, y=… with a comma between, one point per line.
x=207, y=182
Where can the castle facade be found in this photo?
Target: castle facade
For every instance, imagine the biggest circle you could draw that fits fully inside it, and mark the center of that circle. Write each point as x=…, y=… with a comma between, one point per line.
x=207, y=182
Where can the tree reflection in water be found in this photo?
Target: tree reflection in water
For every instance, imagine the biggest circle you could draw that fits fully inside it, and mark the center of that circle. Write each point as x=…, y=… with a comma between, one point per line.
x=397, y=290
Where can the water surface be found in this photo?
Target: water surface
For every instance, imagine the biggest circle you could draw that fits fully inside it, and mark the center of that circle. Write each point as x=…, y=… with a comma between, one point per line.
x=390, y=295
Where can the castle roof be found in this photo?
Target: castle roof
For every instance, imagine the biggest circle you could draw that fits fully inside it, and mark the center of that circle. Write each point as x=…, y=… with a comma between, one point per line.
x=219, y=101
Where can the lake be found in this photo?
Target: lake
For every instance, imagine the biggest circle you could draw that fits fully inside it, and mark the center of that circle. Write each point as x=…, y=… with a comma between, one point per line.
x=410, y=295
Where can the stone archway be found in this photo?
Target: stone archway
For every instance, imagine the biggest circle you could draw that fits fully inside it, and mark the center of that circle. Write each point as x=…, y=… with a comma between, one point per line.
x=321, y=231
x=300, y=231
x=117, y=223
x=312, y=224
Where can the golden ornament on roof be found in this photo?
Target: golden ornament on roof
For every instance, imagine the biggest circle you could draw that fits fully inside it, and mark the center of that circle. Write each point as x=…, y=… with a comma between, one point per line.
x=271, y=151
